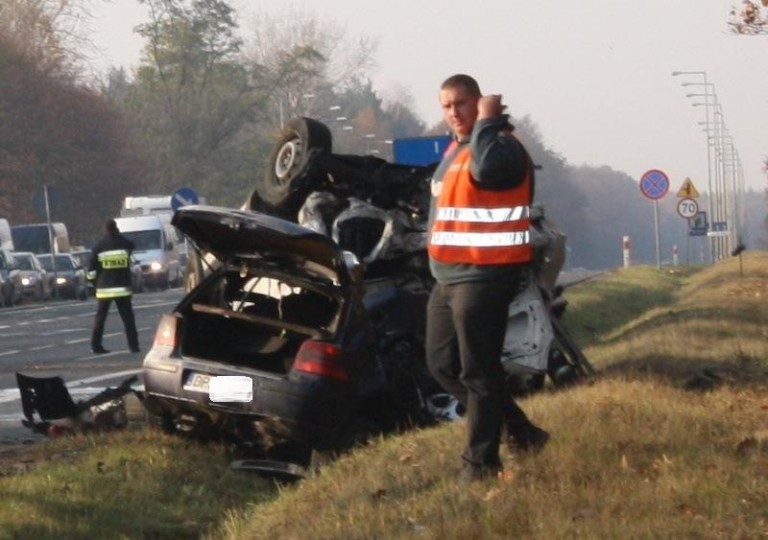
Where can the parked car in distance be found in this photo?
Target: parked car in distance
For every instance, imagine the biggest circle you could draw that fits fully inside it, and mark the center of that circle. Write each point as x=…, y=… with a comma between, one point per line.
x=35, y=282
x=83, y=256
x=68, y=273
x=10, y=280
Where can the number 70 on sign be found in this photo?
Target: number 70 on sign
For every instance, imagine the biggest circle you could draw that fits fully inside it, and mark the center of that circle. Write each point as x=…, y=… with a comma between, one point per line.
x=687, y=208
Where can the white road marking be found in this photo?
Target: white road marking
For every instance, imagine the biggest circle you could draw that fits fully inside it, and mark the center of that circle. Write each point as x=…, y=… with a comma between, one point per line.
x=9, y=395
x=42, y=347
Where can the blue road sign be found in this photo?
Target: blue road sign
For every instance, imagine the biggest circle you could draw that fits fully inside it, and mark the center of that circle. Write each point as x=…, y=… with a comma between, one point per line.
x=697, y=225
x=420, y=150
x=654, y=184
x=183, y=197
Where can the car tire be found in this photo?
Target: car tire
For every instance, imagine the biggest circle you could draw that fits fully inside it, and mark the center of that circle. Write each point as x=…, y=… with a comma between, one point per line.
x=290, y=175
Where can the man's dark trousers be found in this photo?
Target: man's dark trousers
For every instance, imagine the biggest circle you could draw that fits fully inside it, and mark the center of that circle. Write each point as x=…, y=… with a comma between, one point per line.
x=466, y=326
x=125, y=309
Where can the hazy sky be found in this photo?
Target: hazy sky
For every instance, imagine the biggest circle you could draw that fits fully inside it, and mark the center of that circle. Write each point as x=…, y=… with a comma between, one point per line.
x=594, y=75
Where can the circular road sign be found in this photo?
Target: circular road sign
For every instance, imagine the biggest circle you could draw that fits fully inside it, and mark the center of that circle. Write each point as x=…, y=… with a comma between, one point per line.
x=654, y=184
x=687, y=208
x=183, y=197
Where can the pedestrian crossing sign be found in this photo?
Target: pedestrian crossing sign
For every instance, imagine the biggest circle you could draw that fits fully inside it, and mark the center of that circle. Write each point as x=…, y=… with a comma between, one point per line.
x=688, y=190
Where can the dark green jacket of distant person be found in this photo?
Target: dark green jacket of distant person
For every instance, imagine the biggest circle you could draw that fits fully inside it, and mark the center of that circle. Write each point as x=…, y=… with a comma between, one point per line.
x=110, y=266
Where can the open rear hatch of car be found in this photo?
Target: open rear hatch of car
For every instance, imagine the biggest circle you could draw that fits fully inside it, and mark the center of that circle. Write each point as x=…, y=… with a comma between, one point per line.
x=278, y=285
x=243, y=235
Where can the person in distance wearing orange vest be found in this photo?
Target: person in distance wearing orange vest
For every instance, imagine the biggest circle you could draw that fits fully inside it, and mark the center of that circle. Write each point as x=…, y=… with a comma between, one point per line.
x=479, y=252
x=111, y=270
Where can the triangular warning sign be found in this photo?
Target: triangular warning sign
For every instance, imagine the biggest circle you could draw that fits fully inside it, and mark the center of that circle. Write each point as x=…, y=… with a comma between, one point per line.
x=688, y=190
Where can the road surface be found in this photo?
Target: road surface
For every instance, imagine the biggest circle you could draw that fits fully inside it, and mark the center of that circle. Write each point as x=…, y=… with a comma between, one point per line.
x=54, y=339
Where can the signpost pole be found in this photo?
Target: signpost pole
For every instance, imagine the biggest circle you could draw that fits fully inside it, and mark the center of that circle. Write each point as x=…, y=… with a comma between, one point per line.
x=658, y=236
x=654, y=184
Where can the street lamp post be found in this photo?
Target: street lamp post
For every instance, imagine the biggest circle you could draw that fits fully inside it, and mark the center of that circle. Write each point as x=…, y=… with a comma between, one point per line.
x=733, y=208
x=714, y=141
x=728, y=202
x=703, y=74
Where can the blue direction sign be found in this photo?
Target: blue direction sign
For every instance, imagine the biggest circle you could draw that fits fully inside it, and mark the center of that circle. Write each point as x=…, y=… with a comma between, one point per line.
x=697, y=225
x=183, y=197
x=654, y=184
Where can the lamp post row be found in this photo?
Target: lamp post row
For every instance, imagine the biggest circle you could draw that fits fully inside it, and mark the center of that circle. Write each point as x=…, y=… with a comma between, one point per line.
x=725, y=174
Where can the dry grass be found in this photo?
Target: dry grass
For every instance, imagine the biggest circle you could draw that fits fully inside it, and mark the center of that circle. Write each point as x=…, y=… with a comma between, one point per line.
x=670, y=440
x=629, y=460
x=130, y=484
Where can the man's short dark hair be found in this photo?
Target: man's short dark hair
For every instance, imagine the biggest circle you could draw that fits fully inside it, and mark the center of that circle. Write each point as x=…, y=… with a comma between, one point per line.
x=111, y=226
x=463, y=81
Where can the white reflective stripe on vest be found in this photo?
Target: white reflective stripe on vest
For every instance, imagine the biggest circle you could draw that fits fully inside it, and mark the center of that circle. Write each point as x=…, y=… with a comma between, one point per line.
x=481, y=215
x=113, y=292
x=496, y=239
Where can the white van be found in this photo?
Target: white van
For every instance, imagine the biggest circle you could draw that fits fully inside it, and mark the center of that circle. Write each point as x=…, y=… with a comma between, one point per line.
x=155, y=247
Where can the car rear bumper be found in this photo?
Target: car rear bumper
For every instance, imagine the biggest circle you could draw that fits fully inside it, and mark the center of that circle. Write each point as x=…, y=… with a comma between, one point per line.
x=304, y=408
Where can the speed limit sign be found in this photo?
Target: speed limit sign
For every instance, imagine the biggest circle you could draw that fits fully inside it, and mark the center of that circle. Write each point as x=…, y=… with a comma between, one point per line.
x=687, y=208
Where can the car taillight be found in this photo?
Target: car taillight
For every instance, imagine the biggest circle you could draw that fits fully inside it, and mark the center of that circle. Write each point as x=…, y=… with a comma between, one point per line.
x=166, y=332
x=321, y=358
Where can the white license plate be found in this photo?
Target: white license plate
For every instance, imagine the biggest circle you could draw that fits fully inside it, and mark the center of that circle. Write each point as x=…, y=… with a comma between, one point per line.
x=230, y=389
x=221, y=389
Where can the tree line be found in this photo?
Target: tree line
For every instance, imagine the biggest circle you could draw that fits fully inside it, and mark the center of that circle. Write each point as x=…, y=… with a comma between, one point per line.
x=204, y=105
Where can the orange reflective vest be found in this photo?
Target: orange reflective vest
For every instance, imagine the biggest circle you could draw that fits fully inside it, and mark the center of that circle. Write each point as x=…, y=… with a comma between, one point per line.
x=479, y=226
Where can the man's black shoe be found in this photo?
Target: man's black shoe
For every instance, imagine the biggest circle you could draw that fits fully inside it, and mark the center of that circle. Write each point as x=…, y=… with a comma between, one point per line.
x=533, y=439
x=473, y=473
x=99, y=350
x=136, y=350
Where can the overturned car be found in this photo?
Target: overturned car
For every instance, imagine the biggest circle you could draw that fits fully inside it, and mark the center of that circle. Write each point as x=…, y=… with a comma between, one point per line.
x=378, y=210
